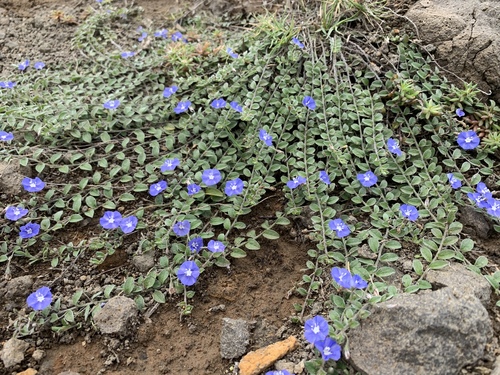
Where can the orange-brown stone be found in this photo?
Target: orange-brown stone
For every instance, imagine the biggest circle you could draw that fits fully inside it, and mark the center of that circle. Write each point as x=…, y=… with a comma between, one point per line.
x=29, y=371
x=257, y=361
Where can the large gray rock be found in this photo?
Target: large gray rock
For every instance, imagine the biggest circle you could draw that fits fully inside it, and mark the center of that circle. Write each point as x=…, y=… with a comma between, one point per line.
x=234, y=338
x=13, y=352
x=19, y=286
x=428, y=333
x=11, y=175
x=462, y=282
x=467, y=36
x=116, y=316
x=475, y=222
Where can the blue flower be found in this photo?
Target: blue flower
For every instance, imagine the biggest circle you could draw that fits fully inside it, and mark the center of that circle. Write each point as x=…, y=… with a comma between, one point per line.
x=358, y=282
x=193, y=189
x=339, y=227
x=7, y=84
x=266, y=138
x=329, y=349
x=230, y=52
x=5, y=136
x=459, y=112
x=211, y=177
x=39, y=65
x=297, y=42
x=480, y=199
x=468, y=140
x=170, y=164
x=163, y=33
x=23, y=65
x=316, y=329
x=155, y=189
x=454, y=182
x=33, y=185
x=195, y=244
x=293, y=183
x=234, y=187
x=323, y=176
x=367, y=179
x=481, y=188
x=143, y=36
x=218, y=103
x=178, y=36
x=342, y=276
x=409, y=212
x=128, y=224
x=98, y=1
x=234, y=105
x=278, y=372
x=188, y=272
x=128, y=54
x=40, y=299
x=111, y=104
x=393, y=147
x=169, y=91
x=494, y=207
x=181, y=228
x=309, y=102
x=110, y=220
x=15, y=213
x=29, y=230
x=182, y=107
x=216, y=246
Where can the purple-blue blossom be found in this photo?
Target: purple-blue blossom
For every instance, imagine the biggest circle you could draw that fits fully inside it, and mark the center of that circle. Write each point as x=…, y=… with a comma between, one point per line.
x=468, y=140
x=22, y=66
x=39, y=65
x=296, y=181
x=110, y=220
x=169, y=91
x=15, y=213
x=393, y=146
x=40, y=299
x=316, y=329
x=309, y=102
x=323, y=176
x=234, y=187
x=493, y=207
x=341, y=229
x=234, y=105
x=163, y=33
x=188, y=272
x=111, y=104
x=182, y=107
x=143, y=36
x=195, y=244
x=29, y=230
x=6, y=136
x=128, y=224
x=181, y=228
x=297, y=42
x=157, y=188
x=454, y=182
x=178, y=36
x=409, y=212
x=127, y=54
x=460, y=112
x=170, y=164
x=193, y=189
x=216, y=246
x=329, y=349
x=230, y=52
x=211, y=177
x=7, y=84
x=265, y=137
x=32, y=185
x=367, y=179
x=278, y=372
x=218, y=103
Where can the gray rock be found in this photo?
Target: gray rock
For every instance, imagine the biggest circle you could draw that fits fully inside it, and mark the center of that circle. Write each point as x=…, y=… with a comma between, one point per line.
x=38, y=355
x=475, y=222
x=428, y=333
x=144, y=262
x=467, y=37
x=116, y=316
x=462, y=281
x=68, y=373
x=13, y=352
x=11, y=175
x=234, y=338
x=19, y=286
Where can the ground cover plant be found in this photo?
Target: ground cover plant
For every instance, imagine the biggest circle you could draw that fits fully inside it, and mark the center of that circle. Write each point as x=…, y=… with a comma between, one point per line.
x=166, y=144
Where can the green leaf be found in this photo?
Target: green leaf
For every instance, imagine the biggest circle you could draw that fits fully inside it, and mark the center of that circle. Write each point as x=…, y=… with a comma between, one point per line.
x=214, y=192
x=271, y=234
x=127, y=197
x=128, y=285
x=418, y=267
x=481, y=262
x=338, y=301
x=466, y=245
x=75, y=218
x=76, y=297
x=438, y=264
x=238, y=253
x=393, y=244
x=426, y=253
x=86, y=167
x=69, y=316
x=252, y=244
x=158, y=296
x=389, y=257
x=384, y=271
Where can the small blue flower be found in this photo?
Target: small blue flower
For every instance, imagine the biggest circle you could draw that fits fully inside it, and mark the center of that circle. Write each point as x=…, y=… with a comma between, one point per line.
x=358, y=282
x=155, y=189
x=127, y=54
x=278, y=372
x=468, y=140
x=367, y=179
x=29, y=230
x=218, y=103
x=128, y=224
x=5, y=136
x=479, y=199
x=211, y=177
x=234, y=187
x=7, y=84
x=23, y=65
x=195, y=244
x=163, y=33
x=329, y=349
x=110, y=220
x=32, y=185
x=39, y=65
x=297, y=42
x=481, y=188
x=181, y=228
x=309, y=102
x=409, y=212
x=230, y=52
x=316, y=329
x=143, y=36
x=459, y=112
x=99, y=1
x=234, y=105
x=393, y=147
x=15, y=213
x=216, y=246
x=342, y=276
x=339, y=227
x=178, y=36
x=111, y=104
x=323, y=176
x=188, y=272
x=182, y=107
x=40, y=299
x=494, y=207
x=454, y=182
x=193, y=189
x=266, y=138
x=293, y=183
x=169, y=91
x=170, y=164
